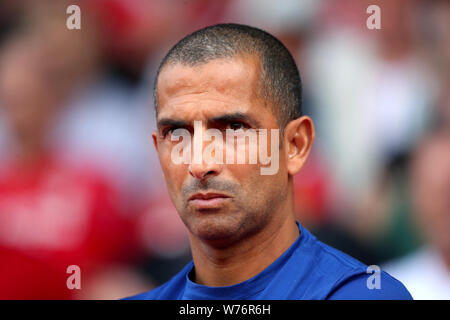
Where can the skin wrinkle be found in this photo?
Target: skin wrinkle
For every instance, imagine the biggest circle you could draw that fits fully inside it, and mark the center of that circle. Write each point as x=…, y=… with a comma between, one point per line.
x=218, y=262
x=256, y=93
x=227, y=264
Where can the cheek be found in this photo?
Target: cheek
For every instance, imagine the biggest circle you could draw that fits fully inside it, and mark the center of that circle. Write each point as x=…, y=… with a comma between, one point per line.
x=244, y=173
x=253, y=183
x=174, y=173
x=260, y=194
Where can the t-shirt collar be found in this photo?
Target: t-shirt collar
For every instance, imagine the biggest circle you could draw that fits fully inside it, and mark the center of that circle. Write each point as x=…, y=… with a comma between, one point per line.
x=252, y=286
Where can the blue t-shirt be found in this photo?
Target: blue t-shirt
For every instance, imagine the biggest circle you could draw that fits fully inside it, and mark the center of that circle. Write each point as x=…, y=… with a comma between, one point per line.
x=309, y=269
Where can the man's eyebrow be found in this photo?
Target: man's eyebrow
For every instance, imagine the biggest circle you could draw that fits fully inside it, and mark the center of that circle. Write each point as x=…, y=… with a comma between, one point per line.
x=225, y=118
x=165, y=122
x=238, y=116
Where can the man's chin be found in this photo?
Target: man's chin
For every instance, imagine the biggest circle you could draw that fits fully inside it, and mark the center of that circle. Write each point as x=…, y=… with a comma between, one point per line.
x=217, y=231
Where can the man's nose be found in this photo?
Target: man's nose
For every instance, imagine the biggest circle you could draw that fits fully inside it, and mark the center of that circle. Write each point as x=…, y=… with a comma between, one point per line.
x=204, y=171
x=205, y=168
x=200, y=167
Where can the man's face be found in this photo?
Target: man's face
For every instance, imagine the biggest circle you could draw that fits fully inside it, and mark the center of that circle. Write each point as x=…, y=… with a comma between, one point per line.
x=222, y=94
x=28, y=99
x=431, y=191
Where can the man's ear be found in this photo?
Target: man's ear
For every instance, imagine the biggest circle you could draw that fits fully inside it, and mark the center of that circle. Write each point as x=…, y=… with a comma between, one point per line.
x=298, y=139
x=155, y=140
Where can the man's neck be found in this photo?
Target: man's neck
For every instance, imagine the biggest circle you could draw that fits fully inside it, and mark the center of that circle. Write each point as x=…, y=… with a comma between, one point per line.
x=242, y=261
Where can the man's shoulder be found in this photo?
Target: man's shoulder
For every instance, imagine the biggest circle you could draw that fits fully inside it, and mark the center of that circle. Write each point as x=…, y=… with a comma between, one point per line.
x=170, y=290
x=376, y=286
x=345, y=277
x=327, y=260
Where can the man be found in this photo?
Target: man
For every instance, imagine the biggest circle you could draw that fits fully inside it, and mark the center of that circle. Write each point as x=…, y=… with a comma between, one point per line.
x=429, y=187
x=245, y=241
x=53, y=213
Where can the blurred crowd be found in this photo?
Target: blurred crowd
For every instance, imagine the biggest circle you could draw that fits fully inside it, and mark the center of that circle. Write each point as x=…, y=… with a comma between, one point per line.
x=80, y=182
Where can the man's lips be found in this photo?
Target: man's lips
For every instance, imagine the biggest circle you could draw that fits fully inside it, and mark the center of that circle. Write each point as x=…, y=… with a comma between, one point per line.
x=208, y=200
x=207, y=196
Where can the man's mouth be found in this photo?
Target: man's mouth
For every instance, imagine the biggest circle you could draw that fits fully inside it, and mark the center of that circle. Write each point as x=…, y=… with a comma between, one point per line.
x=209, y=200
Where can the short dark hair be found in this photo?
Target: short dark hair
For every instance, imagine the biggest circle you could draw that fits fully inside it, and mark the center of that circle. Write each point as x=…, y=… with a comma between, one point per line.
x=280, y=78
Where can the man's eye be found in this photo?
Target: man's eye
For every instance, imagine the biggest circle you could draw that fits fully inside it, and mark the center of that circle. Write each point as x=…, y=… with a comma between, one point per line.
x=237, y=126
x=168, y=131
x=174, y=133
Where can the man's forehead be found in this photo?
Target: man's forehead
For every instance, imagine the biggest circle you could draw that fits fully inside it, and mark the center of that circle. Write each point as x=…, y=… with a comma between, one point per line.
x=213, y=89
x=234, y=75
